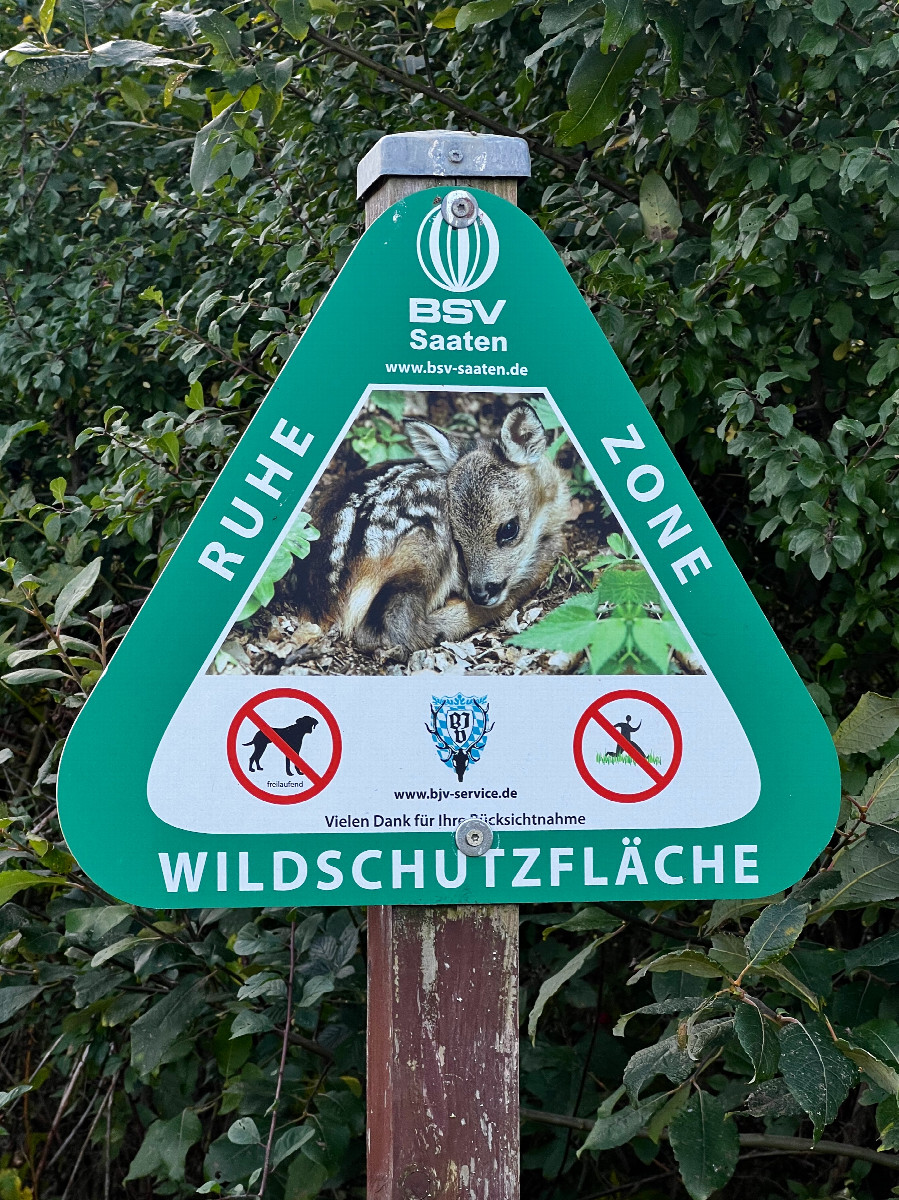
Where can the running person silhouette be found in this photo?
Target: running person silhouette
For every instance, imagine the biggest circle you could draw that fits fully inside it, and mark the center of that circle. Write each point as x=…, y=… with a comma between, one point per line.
x=626, y=729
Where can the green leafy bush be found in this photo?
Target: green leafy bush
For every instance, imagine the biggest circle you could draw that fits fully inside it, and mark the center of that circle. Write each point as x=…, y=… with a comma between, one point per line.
x=752, y=296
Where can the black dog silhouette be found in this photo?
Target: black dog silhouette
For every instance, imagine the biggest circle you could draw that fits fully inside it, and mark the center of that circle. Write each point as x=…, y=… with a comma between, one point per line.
x=291, y=734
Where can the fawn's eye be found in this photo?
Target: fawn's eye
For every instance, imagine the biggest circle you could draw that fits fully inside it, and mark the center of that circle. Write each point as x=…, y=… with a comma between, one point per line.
x=507, y=533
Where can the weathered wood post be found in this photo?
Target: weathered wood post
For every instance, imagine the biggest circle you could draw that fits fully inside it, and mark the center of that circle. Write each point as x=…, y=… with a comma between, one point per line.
x=442, y=982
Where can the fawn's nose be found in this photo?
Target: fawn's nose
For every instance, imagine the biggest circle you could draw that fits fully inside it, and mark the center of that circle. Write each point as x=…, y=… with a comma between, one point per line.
x=486, y=593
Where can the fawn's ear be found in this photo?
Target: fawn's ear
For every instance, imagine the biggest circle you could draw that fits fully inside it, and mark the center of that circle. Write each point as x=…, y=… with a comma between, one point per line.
x=522, y=438
x=439, y=449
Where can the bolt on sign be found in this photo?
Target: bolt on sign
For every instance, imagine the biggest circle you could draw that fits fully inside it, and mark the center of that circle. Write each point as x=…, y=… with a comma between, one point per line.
x=450, y=627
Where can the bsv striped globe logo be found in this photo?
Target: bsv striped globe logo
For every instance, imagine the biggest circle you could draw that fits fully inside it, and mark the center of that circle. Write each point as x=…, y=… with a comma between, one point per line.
x=457, y=260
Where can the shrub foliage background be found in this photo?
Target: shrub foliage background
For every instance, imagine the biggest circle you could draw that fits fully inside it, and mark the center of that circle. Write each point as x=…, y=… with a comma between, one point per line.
x=722, y=180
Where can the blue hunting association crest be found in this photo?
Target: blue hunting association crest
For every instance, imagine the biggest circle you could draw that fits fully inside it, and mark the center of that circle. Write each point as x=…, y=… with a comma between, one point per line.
x=459, y=729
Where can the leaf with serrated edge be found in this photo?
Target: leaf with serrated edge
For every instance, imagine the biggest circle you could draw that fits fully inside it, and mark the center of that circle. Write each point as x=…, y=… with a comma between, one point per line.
x=705, y=1144
x=817, y=1074
x=617, y=1128
x=758, y=1037
x=880, y=797
x=872, y=722
x=774, y=933
x=868, y=872
x=691, y=962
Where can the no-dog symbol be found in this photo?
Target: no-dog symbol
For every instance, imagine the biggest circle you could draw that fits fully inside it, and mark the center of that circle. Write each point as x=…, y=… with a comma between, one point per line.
x=624, y=740
x=284, y=746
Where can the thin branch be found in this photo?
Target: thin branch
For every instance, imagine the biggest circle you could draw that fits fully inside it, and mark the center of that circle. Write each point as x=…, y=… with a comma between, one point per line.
x=748, y=1141
x=87, y=1140
x=66, y=1095
x=285, y=1042
x=413, y=83
x=305, y=1043
x=623, y=915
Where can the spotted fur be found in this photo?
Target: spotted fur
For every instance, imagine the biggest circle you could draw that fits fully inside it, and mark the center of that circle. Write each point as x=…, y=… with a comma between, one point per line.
x=413, y=553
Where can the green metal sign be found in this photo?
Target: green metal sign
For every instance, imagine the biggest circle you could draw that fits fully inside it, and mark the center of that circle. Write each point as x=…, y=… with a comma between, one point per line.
x=451, y=627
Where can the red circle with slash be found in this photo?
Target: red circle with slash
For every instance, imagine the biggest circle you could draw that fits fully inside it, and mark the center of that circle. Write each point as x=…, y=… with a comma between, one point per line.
x=250, y=712
x=660, y=780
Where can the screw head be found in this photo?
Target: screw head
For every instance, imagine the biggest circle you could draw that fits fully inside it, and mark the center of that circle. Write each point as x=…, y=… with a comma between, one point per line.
x=460, y=209
x=474, y=837
x=455, y=156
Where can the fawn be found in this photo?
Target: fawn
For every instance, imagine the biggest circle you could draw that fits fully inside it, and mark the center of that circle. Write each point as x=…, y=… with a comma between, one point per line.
x=417, y=552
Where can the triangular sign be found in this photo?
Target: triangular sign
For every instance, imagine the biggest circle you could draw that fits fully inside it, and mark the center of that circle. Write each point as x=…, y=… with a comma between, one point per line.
x=489, y=594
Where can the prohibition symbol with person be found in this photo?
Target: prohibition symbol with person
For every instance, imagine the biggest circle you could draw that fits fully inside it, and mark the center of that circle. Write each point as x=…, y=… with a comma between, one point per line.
x=601, y=771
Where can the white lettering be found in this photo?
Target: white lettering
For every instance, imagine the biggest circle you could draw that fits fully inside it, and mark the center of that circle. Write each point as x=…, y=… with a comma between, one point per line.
x=491, y=317
x=701, y=864
x=416, y=868
x=461, y=867
x=670, y=533
x=522, y=879
x=556, y=865
x=244, y=883
x=192, y=875
x=335, y=874
x=590, y=879
x=245, y=531
x=631, y=864
x=498, y=344
x=661, y=860
x=457, y=312
x=215, y=556
x=654, y=489
x=419, y=340
x=264, y=482
x=370, y=885
x=742, y=864
x=222, y=871
x=289, y=441
x=690, y=560
x=422, y=309
x=613, y=444
x=490, y=865
x=287, y=885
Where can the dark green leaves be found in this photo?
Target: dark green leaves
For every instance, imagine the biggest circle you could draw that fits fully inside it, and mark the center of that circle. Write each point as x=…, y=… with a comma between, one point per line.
x=156, y=1031
x=873, y=720
x=623, y=19
x=76, y=590
x=550, y=986
x=596, y=90
x=14, y=998
x=706, y=1145
x=479, y=11
x=660, y=211
x=817, y=1074
x=868, y=872
x=615, y=1129
x=774, y=933
x=165, y=1146
x=214, y=149
x=295, y=16
x=758, y=1037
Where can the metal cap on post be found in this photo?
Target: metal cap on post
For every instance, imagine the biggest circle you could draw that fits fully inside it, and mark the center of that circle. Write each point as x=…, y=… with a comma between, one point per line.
x=443, y=154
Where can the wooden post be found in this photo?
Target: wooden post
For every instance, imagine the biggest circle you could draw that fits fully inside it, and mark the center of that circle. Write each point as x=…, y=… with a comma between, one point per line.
x=442, y=982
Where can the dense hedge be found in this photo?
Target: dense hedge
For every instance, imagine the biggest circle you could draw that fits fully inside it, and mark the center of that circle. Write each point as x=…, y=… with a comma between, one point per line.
x=722, y=181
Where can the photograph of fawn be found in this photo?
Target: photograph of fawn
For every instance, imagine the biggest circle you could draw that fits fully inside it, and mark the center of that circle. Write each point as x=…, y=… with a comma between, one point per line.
x=455, y=531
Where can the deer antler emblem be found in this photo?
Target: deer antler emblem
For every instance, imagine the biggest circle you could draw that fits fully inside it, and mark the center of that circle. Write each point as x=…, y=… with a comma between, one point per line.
x=459, y=730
